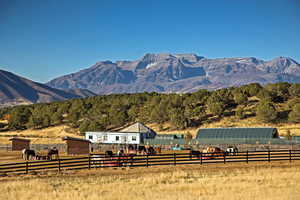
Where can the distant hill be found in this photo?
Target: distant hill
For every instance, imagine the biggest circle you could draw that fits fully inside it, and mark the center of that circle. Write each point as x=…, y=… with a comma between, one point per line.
x=178, y=73
x=81, y=92
x=18, y=90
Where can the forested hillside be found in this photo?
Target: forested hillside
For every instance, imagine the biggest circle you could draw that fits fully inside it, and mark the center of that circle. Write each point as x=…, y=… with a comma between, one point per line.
x=273, y=103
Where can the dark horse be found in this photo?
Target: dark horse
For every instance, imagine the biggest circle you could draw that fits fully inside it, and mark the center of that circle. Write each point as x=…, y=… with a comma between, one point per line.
x=53, y=152
x=195, y=154
x=28, y=154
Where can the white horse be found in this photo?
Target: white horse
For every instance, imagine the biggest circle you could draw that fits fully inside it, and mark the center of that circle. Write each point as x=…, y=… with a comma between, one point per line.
x=232, y=150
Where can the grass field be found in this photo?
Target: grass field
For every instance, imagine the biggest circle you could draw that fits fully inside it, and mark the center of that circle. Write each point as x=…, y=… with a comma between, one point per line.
x=231, y=181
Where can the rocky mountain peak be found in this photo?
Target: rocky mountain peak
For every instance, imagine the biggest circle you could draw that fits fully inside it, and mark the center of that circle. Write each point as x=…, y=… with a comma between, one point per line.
x=164, y=72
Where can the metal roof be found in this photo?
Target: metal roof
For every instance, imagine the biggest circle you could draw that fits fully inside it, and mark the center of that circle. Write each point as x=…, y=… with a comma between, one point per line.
x=21, y=139
x=76, y=139
x=140, y=128
x=219, y=133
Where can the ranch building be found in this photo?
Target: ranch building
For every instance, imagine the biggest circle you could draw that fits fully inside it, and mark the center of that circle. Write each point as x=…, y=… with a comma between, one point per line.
x=18, y=144
x=169, y=136
x=77, y=145
x=235, y=133
x=134, y=134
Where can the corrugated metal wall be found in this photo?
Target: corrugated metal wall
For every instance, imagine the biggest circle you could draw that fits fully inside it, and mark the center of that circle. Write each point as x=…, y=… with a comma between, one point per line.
x=220, y=141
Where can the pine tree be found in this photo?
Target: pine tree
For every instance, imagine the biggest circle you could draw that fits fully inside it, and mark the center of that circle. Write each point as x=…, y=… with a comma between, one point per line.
x=294, y=115
x=266, y=112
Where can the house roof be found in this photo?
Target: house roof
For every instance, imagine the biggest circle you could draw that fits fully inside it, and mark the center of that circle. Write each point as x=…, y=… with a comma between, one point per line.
x=20, y=139
x=219, y=133
x=137, y=128
x=76, y=139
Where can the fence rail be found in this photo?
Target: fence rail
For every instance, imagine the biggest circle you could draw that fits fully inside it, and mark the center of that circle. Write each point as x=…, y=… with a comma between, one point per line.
x=100, y=161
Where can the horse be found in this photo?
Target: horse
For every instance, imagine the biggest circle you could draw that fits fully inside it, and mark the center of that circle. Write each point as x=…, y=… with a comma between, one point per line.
x=213, y=152
x=150, y=151
x=232, y=150
x=53, y=152
x=28, y=154
x=195, y=153
x=40, y=157
x=157, y=149
x=142, y=150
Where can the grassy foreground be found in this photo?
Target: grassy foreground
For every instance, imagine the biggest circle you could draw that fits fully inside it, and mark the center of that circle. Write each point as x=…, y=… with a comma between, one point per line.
x=236, y=181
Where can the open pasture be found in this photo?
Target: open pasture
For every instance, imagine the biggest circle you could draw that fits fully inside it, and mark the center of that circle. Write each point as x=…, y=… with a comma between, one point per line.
x=276, y=181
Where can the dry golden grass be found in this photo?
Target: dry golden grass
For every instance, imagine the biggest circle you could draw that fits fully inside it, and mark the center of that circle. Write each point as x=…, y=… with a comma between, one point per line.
x=42, y=136
x=263, y=181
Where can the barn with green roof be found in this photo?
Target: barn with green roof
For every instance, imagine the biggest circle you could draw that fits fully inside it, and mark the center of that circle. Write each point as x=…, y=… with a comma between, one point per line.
x=237, y=133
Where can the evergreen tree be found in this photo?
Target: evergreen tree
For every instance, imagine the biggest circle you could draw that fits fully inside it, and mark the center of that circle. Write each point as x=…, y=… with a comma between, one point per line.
x=239, y=113
x=216, y=108
x=294, y=115
x=19, y=117
x=84, y=126
x=240, y=97
x=265, y=95
x=294, y=90
x=266, y=112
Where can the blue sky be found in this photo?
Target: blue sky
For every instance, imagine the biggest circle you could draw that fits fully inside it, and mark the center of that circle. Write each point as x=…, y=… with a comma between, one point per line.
x=43, y=39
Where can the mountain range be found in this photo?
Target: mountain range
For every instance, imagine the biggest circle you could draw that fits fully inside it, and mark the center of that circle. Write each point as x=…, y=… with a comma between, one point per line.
x=15, y=90
x=152, y=73
x=178, y=73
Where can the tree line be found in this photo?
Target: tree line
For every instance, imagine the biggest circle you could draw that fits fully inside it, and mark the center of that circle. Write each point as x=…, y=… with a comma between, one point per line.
x=272, y=103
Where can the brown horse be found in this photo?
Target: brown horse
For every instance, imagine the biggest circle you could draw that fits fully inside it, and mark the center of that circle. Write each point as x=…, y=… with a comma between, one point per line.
x=53, y=152
x=213, y=152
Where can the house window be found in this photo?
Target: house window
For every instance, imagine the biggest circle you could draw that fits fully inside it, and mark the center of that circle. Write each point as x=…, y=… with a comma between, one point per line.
x=117, y=138
x=133, y=138
x=104, y=137
x=90, y=137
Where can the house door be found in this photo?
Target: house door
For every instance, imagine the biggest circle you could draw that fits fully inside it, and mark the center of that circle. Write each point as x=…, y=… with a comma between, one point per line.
x=123, y=139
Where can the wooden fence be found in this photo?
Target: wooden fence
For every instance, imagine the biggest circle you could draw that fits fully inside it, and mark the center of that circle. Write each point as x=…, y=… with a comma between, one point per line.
x=100, y=161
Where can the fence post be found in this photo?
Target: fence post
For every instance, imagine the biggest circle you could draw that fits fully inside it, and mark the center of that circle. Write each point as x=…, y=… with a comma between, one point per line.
x=147, y=161
x=290, y=155
x=269, y=155
x=247, y=157
x=89, y=161
x=58, y=164
x=174, y=158
x=26, y=167
x=224, y=155
x=201, y=158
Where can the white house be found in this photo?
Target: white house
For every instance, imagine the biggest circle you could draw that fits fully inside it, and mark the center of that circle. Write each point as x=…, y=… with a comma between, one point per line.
x=113, y=137
x=134, y=134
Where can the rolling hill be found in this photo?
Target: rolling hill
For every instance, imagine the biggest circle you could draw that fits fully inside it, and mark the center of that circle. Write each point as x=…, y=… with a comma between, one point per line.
x=16, y=90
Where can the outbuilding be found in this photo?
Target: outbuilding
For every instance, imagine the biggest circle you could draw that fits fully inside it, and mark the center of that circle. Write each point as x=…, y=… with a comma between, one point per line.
x=235, y=133
x=18, y=144
x=113, y=137
x=134, y=134
x=77, y=145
